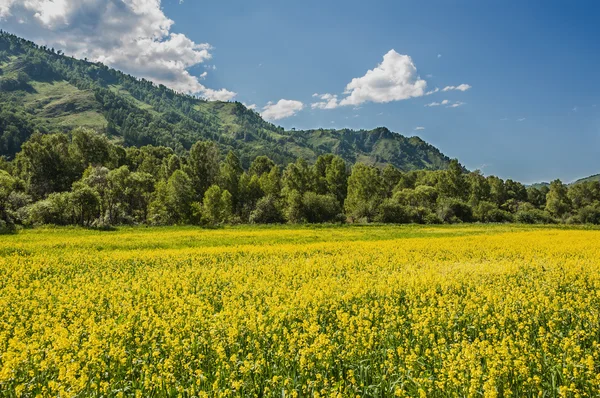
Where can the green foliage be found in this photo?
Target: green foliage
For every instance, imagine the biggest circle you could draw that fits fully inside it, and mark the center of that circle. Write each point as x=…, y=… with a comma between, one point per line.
x=173, y=199
x=453, y=210
x=365, y=188
x=534, y=216
x=266, y=212
x=217, y=206
x=557, y=199
x=203, y=166
x=320, y=208
x=390, y=211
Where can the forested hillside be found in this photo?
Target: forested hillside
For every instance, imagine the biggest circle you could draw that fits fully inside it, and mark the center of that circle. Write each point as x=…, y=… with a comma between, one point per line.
x=595, y=177
x=43, y=90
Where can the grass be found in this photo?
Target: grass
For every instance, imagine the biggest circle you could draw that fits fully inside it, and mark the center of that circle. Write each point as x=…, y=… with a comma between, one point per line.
x=140, y=104
x=64, y=105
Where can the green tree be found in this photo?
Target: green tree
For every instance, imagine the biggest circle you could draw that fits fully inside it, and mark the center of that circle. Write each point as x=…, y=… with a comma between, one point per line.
x=91, y=148
x=7, y=186
x=270, y=183
x=319, y=174
x=557, y=199
x=46, y=165
x=479, y=188
x=515, y=190
x=261, y=165
x=293, y=207
x=536, y=197
x=336, y=176
x=172, y=203
x=297, y=177
x=453, y=183
x=365, y=192
x=390, y=176
x=266, y=212
x=203, y=166
x=85, y=202
x=497, y=190
x=250, y=192
x=229, y=177
x=320, y=208
x=180, y=196
x=216, y=206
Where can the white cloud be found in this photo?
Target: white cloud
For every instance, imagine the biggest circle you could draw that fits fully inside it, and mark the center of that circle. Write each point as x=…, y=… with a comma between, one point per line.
x=419, y=128
x=330, y=101
x=444, y=102
x=447, y=103
x=521, y=119
x=462, y=87
x=203, y=75
x=282, y=109
x=131, y=35
x=251, y=106
x=394, y=79
x=435, y=90
x=439, y=55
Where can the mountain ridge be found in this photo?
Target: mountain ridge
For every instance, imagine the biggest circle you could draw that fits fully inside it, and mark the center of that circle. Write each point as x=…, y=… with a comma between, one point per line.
x=43, y=90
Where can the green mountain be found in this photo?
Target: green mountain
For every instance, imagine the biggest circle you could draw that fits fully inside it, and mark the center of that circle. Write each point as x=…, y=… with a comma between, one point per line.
x=43, y=90
x=595, y=177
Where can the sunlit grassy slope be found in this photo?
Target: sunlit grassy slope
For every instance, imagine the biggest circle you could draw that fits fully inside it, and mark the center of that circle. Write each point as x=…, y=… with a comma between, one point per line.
x=301, y=311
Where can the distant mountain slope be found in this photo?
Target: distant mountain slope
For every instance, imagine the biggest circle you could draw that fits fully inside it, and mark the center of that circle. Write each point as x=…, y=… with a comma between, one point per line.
x=595, y=177
x=43, y=90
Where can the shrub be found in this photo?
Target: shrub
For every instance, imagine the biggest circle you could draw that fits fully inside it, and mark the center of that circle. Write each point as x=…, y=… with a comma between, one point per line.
x=266, y=211
x=589, y=215
x=452, y=210
x=534, y=216
x=391, y=211
x=320, y=208
x=55, y=209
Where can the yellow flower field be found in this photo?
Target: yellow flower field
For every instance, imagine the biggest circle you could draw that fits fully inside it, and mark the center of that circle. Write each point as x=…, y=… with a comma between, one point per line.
x=467, y=311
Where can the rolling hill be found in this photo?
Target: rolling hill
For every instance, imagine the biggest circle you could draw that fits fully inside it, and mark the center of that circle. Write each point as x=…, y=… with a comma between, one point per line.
x=41, y=89
x=595, y=177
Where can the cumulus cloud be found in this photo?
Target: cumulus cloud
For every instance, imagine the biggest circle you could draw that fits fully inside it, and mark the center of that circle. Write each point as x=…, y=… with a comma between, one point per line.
x=456, y=104
x=131, y=35
x=281, y=109
x=419, y=128
x=251, y=106
x=394, y=79
x=329, y=101
x=462, y=87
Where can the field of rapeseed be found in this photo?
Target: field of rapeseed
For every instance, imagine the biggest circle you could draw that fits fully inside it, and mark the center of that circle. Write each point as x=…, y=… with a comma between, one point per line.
x=473, y=311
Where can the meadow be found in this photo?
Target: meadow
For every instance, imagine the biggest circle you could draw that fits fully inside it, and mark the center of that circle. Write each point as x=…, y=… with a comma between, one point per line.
x=319, y=311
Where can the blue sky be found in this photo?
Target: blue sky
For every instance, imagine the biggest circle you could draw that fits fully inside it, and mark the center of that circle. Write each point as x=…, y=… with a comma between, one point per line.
x=529, y=109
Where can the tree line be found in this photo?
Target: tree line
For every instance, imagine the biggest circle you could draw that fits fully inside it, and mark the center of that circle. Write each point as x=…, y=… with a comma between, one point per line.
x=82, y=178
